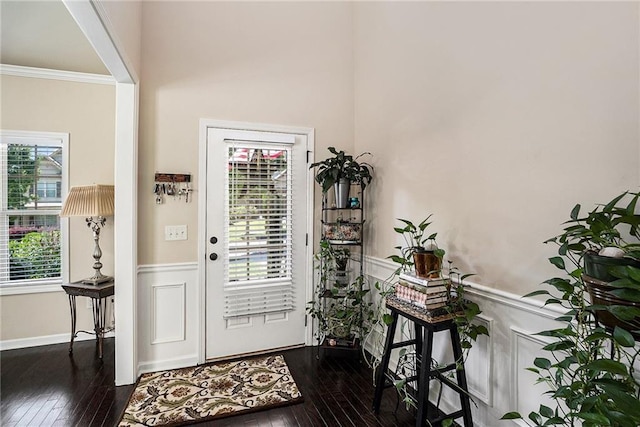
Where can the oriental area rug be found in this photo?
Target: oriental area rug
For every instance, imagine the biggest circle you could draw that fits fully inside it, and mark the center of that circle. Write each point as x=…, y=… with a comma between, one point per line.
x=190, y=395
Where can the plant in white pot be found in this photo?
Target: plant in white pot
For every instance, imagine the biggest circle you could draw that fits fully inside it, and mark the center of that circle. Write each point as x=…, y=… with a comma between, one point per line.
x=339, y=172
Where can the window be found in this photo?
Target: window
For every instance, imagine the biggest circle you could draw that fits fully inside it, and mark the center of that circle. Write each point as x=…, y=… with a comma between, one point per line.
x=49, y=190
x=33, y=175
x=258, y=275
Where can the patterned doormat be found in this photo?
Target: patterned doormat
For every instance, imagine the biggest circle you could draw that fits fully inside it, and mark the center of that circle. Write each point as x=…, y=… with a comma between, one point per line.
x=189, y=395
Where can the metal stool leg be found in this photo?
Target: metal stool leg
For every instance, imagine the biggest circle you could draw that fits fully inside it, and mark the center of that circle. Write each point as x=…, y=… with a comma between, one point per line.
x=424, y=377
x=461, y=376
x=384, y=363
x=418, y=334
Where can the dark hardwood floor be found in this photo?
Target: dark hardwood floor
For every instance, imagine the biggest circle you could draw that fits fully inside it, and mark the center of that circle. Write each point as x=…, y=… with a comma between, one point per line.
x=45, y=386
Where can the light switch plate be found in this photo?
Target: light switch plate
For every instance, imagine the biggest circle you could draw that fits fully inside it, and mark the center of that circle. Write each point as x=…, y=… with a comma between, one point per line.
x=175, y=232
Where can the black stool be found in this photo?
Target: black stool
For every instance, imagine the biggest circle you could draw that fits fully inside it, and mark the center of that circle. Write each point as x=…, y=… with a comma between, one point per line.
x=424, y=347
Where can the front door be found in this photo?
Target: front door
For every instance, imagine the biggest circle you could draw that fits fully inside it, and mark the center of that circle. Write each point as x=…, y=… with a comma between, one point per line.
x=256, y=220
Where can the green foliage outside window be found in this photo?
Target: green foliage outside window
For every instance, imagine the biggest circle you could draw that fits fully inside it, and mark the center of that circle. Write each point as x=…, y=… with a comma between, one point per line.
x=36, y=255
x=21, y=169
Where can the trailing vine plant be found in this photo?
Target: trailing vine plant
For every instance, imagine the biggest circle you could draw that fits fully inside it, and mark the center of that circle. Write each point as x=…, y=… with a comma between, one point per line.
x=589, y=370
x=348, y=306
x=465, y=311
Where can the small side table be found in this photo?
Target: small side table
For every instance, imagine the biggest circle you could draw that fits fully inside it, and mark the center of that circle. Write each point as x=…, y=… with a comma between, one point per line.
x=98, y=293
x=425, y=328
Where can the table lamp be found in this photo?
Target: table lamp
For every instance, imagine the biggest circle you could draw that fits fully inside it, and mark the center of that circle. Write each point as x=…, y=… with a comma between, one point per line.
x=94, y=202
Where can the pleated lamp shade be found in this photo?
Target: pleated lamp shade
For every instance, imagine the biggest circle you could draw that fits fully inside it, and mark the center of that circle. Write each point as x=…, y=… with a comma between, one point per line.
x=89, y=201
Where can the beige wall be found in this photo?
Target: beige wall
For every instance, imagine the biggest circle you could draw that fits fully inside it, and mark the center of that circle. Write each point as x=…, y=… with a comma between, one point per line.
x=497, y=118
x=278, y=63
x=490, y=115
x=86, y=112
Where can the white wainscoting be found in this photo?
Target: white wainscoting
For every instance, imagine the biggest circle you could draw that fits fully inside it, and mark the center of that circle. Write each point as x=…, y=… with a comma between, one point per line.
x=168, y=298
x=496, y=374
x=168, y=321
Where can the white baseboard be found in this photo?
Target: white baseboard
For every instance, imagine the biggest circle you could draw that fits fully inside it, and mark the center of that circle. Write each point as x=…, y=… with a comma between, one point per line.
x=45, y=340
x=162, y=365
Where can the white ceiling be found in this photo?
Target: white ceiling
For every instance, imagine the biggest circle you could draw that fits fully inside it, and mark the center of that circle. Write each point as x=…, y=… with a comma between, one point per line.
x=43, y=34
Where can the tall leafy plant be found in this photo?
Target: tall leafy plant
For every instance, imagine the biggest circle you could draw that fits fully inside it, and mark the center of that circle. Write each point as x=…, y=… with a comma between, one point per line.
x=615, y=224
x=342, y=165
x=590, y=370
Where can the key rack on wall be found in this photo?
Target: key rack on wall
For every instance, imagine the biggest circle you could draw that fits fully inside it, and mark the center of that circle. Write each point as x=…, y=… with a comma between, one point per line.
x=172, y=185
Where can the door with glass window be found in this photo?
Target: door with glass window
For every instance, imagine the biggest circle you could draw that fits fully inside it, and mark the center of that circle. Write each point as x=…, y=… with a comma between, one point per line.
x=256, y=241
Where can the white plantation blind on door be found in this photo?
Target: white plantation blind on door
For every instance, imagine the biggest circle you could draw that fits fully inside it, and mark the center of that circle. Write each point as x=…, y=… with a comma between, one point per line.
x=258, y=227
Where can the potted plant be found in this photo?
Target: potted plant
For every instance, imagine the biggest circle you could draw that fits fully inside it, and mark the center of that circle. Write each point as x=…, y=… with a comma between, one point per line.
x=343, y=314
x=603, y=242
x=608, y=236
x=419, y=251
x=341, y=256
x=463, y=310
x=347, y=312
x=339, y=172
x=590, y=373
x=340, y=306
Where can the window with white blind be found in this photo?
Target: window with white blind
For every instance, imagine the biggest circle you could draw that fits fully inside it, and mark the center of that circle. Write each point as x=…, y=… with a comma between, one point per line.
x=33, y=169
x=258, y=216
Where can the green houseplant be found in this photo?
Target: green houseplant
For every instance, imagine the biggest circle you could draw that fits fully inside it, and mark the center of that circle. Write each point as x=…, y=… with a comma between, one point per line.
x=465, y=311
x=590, y=370
x=340, y=171
x=416, y=243
x=341, y=255
x=606, y=236
x=340, y=305
x=418, y=251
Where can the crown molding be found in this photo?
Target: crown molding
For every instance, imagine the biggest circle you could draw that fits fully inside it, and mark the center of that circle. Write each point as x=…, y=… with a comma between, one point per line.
x=46, y=73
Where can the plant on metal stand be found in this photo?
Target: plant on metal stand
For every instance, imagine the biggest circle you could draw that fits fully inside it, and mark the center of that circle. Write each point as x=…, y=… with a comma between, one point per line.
x=342, y=307
x=340, y=171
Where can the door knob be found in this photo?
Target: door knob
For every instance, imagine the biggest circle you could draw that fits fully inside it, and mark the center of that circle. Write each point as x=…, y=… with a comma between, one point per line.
x=213, y=240
x=213, y=256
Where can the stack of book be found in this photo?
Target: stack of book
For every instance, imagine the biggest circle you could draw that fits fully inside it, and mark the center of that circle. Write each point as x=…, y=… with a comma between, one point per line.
x=429, y=294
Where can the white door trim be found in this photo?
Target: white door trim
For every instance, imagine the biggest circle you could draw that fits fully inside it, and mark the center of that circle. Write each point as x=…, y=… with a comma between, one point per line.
x=205, y=125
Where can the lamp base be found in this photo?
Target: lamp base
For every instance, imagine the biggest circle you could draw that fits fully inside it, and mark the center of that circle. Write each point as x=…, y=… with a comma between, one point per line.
x=97, y=281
